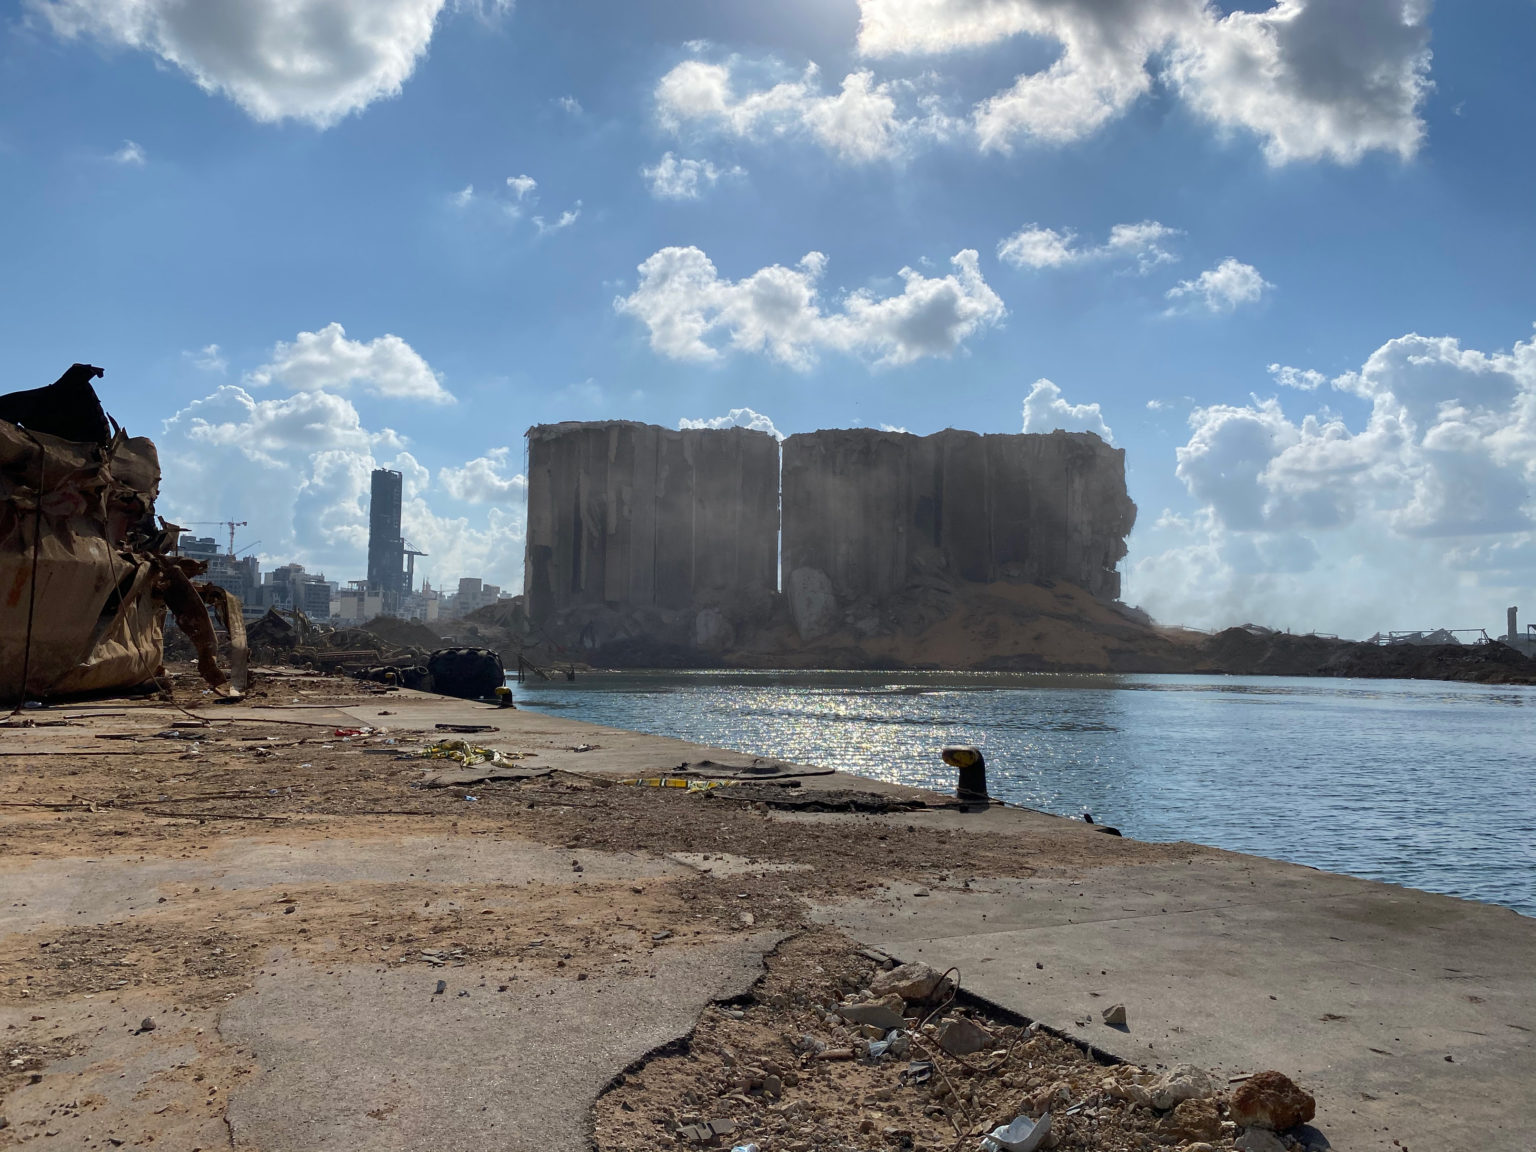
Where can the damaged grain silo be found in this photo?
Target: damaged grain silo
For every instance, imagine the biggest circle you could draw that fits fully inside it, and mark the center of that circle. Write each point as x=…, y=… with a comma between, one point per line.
x=872, y=516
x=650, y=536
x=647, y=543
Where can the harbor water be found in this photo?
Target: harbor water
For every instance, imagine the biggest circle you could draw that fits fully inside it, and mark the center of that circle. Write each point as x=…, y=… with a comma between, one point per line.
x=1422, y=783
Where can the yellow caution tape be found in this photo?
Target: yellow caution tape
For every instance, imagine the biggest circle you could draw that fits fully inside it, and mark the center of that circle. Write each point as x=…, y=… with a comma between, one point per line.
x=675, y=782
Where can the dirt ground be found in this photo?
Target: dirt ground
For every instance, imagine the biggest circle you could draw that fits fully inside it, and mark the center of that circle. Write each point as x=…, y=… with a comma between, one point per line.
x=147, y=782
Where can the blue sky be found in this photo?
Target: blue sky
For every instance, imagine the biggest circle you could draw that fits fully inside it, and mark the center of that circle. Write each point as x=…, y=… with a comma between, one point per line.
x=1281, y=253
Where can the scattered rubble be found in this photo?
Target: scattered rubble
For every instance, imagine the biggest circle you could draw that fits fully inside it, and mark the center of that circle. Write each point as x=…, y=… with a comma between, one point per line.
x=400, y=653
x=790, y=1072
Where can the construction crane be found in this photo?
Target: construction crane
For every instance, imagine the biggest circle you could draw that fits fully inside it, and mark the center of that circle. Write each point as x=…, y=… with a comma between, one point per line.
x=410, y=565
x=230, y=524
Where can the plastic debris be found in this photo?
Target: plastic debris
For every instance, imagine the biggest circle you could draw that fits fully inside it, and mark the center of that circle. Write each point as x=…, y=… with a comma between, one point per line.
x=1022, y=1135
x=896, y=1043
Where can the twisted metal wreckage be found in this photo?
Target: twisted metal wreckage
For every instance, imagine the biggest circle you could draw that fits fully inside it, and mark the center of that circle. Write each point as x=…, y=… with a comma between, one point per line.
x=87, y=570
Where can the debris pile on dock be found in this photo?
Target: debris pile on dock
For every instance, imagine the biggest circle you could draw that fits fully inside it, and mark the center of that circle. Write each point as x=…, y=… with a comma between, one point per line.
x=825, y=1055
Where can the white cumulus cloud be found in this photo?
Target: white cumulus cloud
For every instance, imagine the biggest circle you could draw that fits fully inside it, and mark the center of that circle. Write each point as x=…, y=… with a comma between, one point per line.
x=1421, y=515
x=1302, y=379
x=682, y=178
x=690, y=310
x=1045, y=410
x=859, y=123
x=485, y=480
x=736, y=418
x=130, y=155
x=1312, y=79
x=1142, y=244
x=313, y=60
x=1222, y=288
x=385, y=366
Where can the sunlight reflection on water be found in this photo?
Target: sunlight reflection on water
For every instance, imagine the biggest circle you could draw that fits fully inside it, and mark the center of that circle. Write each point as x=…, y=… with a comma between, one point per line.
x=1419, y=783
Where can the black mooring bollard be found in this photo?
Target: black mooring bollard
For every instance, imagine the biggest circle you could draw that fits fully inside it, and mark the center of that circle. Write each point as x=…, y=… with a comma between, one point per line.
x=971, y=788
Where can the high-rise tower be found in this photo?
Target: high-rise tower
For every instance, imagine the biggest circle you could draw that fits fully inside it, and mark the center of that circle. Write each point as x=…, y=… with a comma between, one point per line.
x=386, y=547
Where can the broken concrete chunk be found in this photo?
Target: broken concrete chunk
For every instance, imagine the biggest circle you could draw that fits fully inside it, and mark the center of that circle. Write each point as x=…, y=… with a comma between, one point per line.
x=1181, y=1082
x=918, y=983
x=706, y=1131
x=1271, y=1100
x=1193, y=1120
x=1259, y=1140
x=879, y=1015
x=961, y=1037
x=1114, y=1014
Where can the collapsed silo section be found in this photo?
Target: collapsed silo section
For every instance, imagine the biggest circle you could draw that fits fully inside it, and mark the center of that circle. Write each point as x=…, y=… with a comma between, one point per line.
x=649, y=538
x=882, y=530
x=1058, y=509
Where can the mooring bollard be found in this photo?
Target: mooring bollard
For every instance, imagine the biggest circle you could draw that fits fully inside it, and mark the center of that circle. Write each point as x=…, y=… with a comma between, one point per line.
x=971, y=788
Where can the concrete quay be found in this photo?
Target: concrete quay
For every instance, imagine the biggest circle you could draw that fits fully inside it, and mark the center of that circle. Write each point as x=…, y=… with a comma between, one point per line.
x=1410, y=1016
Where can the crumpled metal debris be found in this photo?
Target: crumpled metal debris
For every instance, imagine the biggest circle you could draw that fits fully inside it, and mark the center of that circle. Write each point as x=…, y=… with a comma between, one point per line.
x=87, y=569
x=461, y=751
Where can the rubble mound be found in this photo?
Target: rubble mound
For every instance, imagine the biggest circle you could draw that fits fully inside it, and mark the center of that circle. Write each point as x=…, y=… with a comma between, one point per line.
x=1250, y=651
x=403, y=633
x=1259, y=652
x=508, y=614
x=1490, y=663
